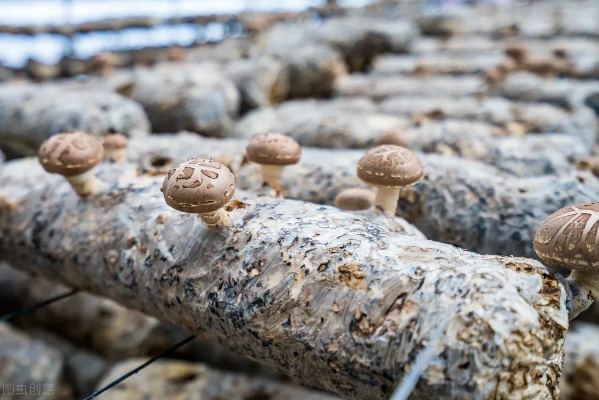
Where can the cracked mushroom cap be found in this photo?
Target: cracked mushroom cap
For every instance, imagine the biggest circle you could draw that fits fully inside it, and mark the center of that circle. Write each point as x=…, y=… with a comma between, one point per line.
x=569, y=237
x=390, y=166
x=70, y=154
x=115, y=141
x=274, y=149
x=198, y=186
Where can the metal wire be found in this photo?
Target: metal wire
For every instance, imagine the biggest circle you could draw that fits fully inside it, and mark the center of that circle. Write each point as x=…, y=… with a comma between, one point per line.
x=136, y=370
x=37, y=306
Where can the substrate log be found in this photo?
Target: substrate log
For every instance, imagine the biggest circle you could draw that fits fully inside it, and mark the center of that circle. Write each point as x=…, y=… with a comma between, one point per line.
x=568, y=93
x=391, y=64
x=580, y=379
x=24, y=362
x=262, y=81
x=380, y=87
x=168, y=379
x=103, y=326
x=355, y=123
x=358, y=39
x=176, y=96
x=29, y=114
x=533, y=117
x=331, y=298
x=459, y=201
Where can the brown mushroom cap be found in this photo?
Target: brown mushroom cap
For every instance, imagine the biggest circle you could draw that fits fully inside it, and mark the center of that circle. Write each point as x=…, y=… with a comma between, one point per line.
x=518, y=51
x=390, y=166
x=115, y=141
x=274, y=149
x=569, y=238
x=70, y=154
x=198, y=186
x=355, y=199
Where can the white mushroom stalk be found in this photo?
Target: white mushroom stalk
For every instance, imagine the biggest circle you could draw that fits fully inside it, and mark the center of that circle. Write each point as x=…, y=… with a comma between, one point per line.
x=203, y=187
x=73, y=155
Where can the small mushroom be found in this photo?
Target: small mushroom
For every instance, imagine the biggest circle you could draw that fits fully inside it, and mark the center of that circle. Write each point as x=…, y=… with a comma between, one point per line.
x=568, y=238
x=518, y=51
x=104, y=63
x=273, y=152
x=397, y=137
x=114, y=147
x=73, y=155
x=203, y=187
x=389, y=168
x=355, y=199
x=507, y=66
x=589, y=163
x=561, y=53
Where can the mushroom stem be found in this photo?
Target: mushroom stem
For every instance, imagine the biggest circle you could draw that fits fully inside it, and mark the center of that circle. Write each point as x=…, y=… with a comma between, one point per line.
x=588, y=280
x=117, y=155
x=580, y=299
x=216, y=218
x=271, y=174
x=84, y=184
x=386, y=198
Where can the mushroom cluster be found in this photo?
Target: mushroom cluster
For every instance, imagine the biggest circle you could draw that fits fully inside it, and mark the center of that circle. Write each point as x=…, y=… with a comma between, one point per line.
x=569, y=238
x=73, y=155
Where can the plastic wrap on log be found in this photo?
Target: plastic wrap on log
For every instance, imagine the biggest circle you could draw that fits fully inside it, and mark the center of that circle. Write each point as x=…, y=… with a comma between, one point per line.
x=29, y=114
x=467, y=203
x=331, y=298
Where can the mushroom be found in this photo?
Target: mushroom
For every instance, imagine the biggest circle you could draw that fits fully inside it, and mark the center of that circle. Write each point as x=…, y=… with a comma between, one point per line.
x=73, y=155
x=203, y=187
x=397, y=137
x=114, y=147
x=518, y=51
x=561, y=53
x=389, y=168
x=589, y=163
x=104, y=63
x=273, y=152
x=568, y=238
x=355, y=199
